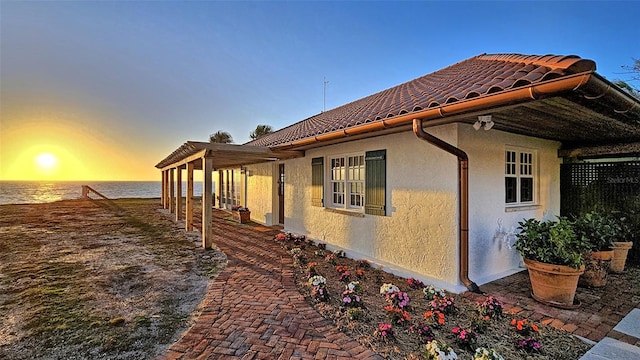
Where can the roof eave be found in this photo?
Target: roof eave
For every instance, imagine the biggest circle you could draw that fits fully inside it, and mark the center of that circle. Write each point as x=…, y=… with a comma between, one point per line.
x=444, y=114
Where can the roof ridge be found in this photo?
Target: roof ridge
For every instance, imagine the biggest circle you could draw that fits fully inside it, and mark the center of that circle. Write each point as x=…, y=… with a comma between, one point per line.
x=572, y=63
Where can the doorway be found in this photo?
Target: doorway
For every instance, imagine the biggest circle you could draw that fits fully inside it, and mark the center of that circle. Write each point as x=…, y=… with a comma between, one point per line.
x=281, y=194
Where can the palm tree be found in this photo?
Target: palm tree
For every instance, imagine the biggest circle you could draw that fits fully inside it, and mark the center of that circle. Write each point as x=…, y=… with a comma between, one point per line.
x=221, y=137
x=261, y=130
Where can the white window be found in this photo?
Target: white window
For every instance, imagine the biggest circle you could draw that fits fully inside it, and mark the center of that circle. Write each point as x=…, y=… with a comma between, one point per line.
x=347, y=178
x=520, y=180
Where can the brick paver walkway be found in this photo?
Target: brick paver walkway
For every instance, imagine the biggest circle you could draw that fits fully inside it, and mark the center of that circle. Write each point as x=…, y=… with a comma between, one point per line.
x=601, y=308
x=253, y=309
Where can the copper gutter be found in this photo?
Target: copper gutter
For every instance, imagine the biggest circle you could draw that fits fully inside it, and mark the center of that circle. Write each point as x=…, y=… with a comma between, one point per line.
x=521, y=94
x=463, y=203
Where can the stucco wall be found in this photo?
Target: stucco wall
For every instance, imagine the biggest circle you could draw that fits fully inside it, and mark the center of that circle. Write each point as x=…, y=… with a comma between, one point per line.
x=260, y=193
x=419, y=235
x=491, y=223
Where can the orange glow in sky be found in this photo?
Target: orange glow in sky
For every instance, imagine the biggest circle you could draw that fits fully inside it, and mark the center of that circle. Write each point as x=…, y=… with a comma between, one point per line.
x=65, y=146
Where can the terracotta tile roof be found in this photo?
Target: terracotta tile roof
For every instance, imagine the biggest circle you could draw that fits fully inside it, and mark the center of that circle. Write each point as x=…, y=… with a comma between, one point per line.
x=478, y=76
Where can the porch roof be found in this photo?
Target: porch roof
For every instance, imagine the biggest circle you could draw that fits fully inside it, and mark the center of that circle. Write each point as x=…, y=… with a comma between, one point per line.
x=223, y=155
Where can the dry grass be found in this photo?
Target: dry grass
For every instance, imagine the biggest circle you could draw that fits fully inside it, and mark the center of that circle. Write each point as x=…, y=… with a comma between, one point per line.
x=96, y=279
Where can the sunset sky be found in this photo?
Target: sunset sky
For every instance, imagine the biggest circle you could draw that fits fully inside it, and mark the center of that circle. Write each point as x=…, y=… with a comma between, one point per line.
x=105, y=90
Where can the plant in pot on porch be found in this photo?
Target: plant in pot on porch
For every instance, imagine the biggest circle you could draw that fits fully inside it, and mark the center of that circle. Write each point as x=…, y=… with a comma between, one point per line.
x=600, y=230
x=622, y=244
x=553, y=255
x=241, y=214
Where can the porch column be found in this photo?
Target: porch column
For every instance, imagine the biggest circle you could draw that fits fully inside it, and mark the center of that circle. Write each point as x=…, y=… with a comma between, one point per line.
x=179, y=193
x=166, y=189
x=172, y=190
x=207, y=204
x=221, y=194
x=188, y=222
x=162, y=188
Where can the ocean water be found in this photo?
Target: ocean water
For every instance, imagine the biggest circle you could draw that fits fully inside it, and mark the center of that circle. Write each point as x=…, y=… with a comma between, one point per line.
x=31, y=192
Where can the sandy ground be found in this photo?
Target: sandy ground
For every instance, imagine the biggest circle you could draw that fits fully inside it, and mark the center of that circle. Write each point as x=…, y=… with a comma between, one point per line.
x=87, y=279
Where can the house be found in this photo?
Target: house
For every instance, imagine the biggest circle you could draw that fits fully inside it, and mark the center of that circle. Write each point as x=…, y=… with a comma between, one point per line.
x=428, y=178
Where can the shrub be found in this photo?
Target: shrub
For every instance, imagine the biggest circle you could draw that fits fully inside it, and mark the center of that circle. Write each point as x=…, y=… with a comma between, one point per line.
x=551, y=242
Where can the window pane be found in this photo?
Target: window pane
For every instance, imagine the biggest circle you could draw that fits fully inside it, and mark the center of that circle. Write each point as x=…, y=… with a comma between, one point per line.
x=526, y=189
x=510, y=163
x=510, y=189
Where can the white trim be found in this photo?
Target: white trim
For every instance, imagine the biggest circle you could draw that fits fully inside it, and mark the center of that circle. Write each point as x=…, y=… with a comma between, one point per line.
x=516, y=173
x=346, y=195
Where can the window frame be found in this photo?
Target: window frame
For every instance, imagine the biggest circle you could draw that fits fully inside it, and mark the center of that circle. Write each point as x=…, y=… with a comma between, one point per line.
x=346, y=182
x=523, y=166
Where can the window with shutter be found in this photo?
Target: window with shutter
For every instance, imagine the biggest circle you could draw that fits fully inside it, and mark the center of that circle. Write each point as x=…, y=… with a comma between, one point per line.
x=355, y=182
x=376, y=182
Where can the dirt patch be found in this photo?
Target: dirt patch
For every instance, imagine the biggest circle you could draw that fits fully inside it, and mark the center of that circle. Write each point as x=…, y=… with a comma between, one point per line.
x=97, y=279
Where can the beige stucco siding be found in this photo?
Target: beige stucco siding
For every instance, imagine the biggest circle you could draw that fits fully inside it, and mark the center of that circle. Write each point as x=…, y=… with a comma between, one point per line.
x=260, y=193
x=419, y=235
x=491, y=223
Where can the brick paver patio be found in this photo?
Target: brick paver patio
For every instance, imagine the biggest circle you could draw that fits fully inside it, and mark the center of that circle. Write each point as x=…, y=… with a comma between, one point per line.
x=253, y=310
x=601, y=308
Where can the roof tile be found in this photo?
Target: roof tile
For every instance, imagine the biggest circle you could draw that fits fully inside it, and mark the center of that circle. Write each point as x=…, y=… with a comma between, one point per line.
x=480, y=75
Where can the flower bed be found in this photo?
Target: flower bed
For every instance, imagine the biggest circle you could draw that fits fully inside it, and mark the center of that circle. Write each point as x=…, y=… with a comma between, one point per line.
x=397, y=317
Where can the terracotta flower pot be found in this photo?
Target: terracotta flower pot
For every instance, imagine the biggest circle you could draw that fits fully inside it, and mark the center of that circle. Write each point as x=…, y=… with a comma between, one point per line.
x=597, y=266
x=553, y=285
x=620, y=252
x=242, y=217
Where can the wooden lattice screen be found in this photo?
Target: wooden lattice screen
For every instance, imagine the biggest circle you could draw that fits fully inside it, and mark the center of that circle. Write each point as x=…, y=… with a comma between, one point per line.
x=613, y=186
x=610, y=185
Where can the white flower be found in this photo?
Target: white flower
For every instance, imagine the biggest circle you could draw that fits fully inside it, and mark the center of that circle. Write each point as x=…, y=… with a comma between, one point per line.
x=317, y=280
x=353, y=286
x=295, y=251
x=486, y=354
x=440, y=351
x=431, y=290
x=388, y=289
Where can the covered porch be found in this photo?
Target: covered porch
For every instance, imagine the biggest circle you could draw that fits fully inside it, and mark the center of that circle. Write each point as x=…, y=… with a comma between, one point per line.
x=206, y=157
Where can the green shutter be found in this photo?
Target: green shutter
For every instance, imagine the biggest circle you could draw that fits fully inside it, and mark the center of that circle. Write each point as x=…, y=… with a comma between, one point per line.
x=375, y=182
x=317, y=181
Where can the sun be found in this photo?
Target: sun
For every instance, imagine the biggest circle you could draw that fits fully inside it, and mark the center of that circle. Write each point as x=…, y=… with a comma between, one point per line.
x=46, y=161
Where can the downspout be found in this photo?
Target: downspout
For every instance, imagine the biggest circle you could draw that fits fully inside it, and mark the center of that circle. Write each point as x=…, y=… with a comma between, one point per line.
x=463, y=203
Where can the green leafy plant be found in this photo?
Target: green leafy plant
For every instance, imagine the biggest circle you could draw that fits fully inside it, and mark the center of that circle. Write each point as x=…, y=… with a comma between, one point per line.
x=600, y=229
x=551, y=242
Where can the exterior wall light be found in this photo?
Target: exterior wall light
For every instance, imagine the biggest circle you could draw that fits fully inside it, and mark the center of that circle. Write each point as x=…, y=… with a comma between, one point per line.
x=483, y=121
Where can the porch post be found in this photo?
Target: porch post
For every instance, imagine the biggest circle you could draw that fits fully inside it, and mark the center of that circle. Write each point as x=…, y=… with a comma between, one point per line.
x=166, y=189
x=162, y=188
x=221, y=189
x=172, y=191
x=188, y=223
x=207, y=204
x=179, y=193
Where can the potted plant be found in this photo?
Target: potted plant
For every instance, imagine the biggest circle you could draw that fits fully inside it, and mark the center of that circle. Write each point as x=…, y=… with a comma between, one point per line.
x=553, y=254
x=622, y=244
x=241, y=214
x=599, y=229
